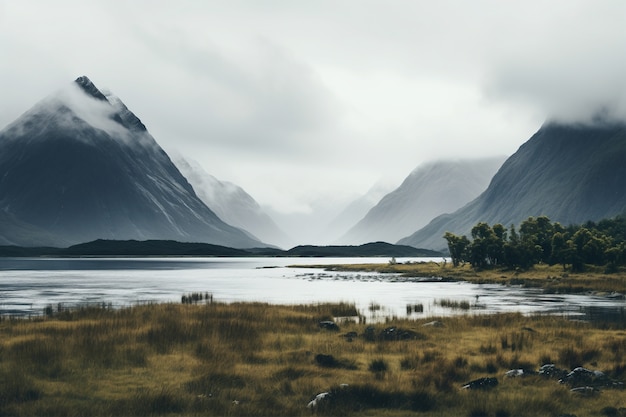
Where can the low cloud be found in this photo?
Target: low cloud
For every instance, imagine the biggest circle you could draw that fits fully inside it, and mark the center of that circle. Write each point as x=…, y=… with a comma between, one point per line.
x=569, y=68
x=255, y=99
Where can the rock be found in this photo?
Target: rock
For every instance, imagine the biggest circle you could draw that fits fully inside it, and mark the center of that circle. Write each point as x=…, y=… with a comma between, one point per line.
x=514, y=373
x=584, y=377
x=394, y=333
x=329, y=325
x=481, y=383
x=350, y=336
x=315, y=402
x=433, y=324
x=550, y=370
x=585, y=391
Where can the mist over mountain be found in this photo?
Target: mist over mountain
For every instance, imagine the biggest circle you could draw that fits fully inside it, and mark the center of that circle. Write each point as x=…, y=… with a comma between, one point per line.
x=431, y=189
x=80, y=166
x=571, y=173
x=356, y=209
x=232, y=203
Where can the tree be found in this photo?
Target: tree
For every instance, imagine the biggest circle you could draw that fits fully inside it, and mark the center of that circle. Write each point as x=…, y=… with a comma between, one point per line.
x=457, y=245
x=561, y=252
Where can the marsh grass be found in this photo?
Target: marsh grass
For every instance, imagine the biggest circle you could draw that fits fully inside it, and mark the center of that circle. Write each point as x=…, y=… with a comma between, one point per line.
x=454, y=304
x=552, y=278
x=258, y=359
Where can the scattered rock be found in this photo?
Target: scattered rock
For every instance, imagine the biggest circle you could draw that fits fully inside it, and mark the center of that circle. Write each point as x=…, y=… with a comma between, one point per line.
x=394, y=333
x=481, y=383
x=550, y=370
x=585, y=391
x=514, y=373
x=315, y=402
x=329, y=325
x=433, y=324
x=350, y=336
x=584, y=377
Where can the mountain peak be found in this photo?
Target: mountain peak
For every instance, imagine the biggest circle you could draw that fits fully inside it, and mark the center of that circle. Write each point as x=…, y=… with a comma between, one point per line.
x=88, y=87
x=79, y=166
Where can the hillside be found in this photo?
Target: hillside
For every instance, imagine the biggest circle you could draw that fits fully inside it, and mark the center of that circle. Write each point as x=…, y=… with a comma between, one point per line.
x=80, y=166
x=431, y=189
x=570, y=173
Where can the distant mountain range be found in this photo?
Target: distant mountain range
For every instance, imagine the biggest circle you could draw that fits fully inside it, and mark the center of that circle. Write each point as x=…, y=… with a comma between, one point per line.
x=80, y=166
x=231, y=203
x=431, y=189
x=570, y=173
x=354, y=211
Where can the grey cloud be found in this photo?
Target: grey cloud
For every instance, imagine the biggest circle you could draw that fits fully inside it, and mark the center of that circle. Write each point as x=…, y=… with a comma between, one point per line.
x=259, y=100
x=569, y=67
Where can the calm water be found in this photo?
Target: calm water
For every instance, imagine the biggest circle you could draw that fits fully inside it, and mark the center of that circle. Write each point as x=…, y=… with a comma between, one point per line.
x=27, y=285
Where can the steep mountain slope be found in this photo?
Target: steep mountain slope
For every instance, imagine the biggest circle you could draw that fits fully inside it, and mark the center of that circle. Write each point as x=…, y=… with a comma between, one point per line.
x=357, y=209
x=570, y=173
x=80, y=166
x=431, y=189
x=231, y=203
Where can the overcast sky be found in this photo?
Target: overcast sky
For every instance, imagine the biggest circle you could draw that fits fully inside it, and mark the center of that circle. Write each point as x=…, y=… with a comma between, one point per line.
x=307, y=101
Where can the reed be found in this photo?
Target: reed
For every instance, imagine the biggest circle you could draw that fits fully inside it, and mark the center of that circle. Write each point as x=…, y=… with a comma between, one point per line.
x=552, y=278
x=259, y=359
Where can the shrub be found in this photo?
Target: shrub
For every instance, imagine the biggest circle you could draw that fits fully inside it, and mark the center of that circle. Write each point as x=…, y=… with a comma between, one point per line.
x=378, y=365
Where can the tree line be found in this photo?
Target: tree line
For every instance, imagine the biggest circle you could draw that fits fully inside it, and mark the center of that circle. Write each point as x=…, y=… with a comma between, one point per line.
x=538, y=240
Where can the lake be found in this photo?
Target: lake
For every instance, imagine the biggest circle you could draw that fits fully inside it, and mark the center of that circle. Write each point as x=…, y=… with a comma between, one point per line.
x=28, y=285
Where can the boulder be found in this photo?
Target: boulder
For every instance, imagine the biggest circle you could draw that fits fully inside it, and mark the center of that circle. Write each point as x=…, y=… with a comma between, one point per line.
x=481, y=383
x=585, y=391
x=549, y=370
x=329, y=325
x=514, y=373
x=394, y=333
x=435, y=323
x=584, y=377
x=315, y=402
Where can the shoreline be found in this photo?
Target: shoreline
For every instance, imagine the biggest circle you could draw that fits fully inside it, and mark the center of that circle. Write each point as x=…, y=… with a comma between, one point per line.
x=552, y=279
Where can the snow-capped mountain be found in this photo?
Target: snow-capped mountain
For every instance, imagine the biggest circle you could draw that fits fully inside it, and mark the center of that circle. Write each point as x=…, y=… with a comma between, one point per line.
x=430, y=190
x=80, y=166
x=231, y=203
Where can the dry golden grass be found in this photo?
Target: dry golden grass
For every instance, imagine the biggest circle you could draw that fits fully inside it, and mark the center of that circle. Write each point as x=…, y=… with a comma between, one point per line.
x=257, y=359
x=551, y=278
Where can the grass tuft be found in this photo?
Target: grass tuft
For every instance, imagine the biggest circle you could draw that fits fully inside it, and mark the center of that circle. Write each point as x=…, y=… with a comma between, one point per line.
x=255, y=359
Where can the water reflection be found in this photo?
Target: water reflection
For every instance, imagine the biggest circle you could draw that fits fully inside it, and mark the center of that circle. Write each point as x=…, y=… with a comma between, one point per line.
x=29, y=285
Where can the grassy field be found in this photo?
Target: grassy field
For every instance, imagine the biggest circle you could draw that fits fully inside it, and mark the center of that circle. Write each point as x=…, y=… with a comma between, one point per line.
x=550, y=278
x=258, y=359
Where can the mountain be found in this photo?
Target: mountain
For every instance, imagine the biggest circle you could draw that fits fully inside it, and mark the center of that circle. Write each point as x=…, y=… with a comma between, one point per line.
x=231, y=203
x=570, y=173
x=80, y=166
x=356, y=209
x=431, y=189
